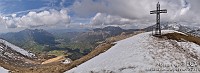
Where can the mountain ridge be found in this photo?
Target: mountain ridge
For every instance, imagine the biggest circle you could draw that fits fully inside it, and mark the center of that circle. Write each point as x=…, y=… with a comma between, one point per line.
x=149, y=51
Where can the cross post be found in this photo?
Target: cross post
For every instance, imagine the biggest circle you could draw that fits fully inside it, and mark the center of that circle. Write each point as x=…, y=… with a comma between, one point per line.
x=157, y=12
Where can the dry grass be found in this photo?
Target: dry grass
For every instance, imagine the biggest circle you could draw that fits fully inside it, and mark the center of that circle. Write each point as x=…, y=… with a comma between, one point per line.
x=56, y=59
x=122, y=36
x=182, y=37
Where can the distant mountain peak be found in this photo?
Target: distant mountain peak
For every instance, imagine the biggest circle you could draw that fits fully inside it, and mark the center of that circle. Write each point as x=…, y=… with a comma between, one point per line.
x=39, y=36
x=178, y=26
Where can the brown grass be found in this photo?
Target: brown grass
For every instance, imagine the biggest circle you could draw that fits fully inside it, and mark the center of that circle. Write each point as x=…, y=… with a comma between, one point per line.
x=182, y=37
x=56, y=59
x=122, y=36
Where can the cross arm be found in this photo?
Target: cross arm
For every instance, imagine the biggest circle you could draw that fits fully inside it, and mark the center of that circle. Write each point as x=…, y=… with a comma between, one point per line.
x=158, y=11
x=153, y=12
x=163, y=11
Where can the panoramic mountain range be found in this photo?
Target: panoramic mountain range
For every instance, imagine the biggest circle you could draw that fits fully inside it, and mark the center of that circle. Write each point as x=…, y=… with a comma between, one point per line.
x=83, y=45
x=74, y=43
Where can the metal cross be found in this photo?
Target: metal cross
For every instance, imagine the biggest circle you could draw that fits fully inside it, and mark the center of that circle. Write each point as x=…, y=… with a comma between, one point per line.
x=157, y=12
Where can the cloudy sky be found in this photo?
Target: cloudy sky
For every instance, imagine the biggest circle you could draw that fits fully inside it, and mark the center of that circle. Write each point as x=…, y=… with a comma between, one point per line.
x=22, y=14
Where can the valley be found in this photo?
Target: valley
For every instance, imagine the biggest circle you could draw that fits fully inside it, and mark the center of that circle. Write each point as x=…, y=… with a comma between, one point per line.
x=69, y=51
x=55, y=55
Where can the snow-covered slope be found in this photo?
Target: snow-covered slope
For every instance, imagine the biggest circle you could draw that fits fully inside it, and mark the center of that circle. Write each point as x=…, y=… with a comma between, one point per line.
x=18, y=49
x=12, y=56
x=142, y=53
x=2, y=70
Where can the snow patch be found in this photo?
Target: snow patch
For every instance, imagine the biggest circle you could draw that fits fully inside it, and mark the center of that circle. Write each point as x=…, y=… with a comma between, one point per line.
x=171, y=31
x=67, y=61
x=2, y=70
x=17, y=49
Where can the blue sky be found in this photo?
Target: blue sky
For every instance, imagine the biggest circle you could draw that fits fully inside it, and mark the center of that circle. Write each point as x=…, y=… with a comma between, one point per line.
x=22, y=14
x=12, y=6
x=23, y=7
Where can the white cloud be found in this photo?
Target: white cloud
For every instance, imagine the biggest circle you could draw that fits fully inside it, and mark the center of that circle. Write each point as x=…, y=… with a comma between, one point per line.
x=35, y=19
x=105, y=19
x=124, y=8
x=178, y=10
x=186, y=7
